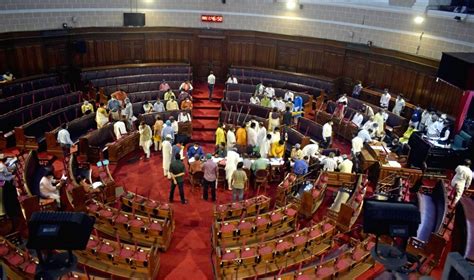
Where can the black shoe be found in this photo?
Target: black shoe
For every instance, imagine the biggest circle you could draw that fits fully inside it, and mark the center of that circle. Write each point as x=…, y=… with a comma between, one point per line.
x=184, y=202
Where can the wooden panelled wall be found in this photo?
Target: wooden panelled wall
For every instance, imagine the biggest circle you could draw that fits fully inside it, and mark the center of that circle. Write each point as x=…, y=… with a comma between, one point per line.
x=31, y=53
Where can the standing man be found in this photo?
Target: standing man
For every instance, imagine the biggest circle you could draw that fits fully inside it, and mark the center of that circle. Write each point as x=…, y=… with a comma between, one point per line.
x=231, y=140
x=128, y=112
x=399, y=105
x=64, y=140
x=210, y=175
x=327, y=133
x=176, y=175
x=220, y=134
x=145, y=138
x=211, y=81
x=119, y=127
x=357, y=89
x=462, y=179
x=167, y=150
x=114, y=107
x=239, y=183
x=232, y=159
x=385, y=99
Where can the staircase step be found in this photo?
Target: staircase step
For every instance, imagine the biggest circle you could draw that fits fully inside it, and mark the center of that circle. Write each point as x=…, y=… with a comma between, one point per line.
x=206, y=104
x=204, y=124
x=205, y=114
x=203, y=136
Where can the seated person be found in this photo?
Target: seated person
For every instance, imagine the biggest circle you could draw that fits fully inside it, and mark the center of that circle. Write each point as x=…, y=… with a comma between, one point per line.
x=346, y=165
x=172, y=105
x=5, y=172
x=186, y=104
x=158, y=106
x=311, y=150
x=195, y=149
x=168, y=94
x=83, y=182
x=296, y=152
x=221, y=150
x=164, y=86
x=49, y=187
x=147, y=107
x=259, y=164
x=186, y=86
x=196, y=165
x=278, y=149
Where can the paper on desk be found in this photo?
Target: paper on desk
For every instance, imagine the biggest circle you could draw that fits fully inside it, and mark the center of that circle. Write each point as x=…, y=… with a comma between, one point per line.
x=393, y=163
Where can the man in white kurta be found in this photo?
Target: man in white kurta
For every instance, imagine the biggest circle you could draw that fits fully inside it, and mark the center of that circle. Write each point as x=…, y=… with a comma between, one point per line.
x=311, y=150
x=145, y=138
x=167, y=151
x=399, y=105
x=265, y=146
x=49, y=187
x=385, y=99
x=462, y=179
x=261, y=136
x=357, y=119
x=231, y=161
x=119, y=129
x=327, y=133
x=231, y=140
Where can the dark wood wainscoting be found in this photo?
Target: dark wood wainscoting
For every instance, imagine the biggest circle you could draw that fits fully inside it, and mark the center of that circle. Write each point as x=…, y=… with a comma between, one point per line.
x=31, y=53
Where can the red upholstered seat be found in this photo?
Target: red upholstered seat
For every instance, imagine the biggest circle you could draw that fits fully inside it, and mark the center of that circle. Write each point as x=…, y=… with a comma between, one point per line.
x=136, y=223
x=92, y=243
x=315, y=233
x=106, y=248
x=358, y=254
x=265, y=250
x=15, y=259
x=165, y=206
x=126, y=253
x=282, y=246
x=300, y=240
x=343, y=263
x=324, y=271
x=153, y=204
x=4, y=249
x=156, y=227
x=236, y=205
x=248, y=253
x=369, y=246
x=228, y=228
x=105, y=213
x=244, y=225
x=290, y=212
x=30, y=268
x=121, y=219
x=285, y=184
x=276, y=217
x=359, y=198
x=140, y=256
x=138, y=199
x=93, y=207
x=262, y=221
x=229, y=256
x=316, y=193
x=327, y=227
x=222, y=208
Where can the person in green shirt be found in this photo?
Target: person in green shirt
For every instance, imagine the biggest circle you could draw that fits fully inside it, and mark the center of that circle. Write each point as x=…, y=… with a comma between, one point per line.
x=239, y=183
x=265, y=101
x=260, y=163
x=176, y=174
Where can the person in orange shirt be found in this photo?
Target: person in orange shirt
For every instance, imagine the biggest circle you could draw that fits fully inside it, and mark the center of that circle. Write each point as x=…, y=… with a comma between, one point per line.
x=278, y=149
x=186, y=104
x=241, y=140
x=120, y=95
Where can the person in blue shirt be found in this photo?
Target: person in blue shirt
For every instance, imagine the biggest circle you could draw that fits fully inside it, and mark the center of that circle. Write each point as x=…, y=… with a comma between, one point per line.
x=168, y=130
x=300, y=167
x=416, y=117
x=195, y=149
x=365, y=135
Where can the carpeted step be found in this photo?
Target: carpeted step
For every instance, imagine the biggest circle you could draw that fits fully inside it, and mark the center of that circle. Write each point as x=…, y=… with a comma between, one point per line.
x=206, y=113
x=205, y=124
x=203, y=136
x=206, y=104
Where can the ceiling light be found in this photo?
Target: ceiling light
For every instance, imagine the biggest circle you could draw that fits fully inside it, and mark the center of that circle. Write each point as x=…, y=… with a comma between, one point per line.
x=419, y=19
x=291, y=4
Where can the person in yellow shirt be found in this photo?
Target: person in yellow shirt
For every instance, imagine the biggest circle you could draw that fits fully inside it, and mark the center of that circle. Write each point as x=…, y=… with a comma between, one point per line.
x=87, y=108
x=407, y=134
x=220, y=135
x=278, y=149
x=296, y=152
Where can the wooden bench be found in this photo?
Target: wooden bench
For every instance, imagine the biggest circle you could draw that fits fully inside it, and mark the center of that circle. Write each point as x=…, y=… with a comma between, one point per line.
x=93, y=144
x=146, y=206
x=251, y=207
x=16, y=262
x=117, y=259
x=131, y=227
x=183, y=128
x=30, y=136
x=250, y=229
x=270, y=256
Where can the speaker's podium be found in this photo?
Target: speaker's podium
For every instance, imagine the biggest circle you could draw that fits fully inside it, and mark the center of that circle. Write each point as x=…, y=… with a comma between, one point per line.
x=50, y=231
x=457, y=69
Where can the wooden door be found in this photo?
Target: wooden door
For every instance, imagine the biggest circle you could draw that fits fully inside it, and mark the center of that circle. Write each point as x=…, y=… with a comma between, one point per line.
x=211, y=56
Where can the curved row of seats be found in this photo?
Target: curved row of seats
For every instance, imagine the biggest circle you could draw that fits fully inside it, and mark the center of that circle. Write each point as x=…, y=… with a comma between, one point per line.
x=287, y=80
x=25, y=85
x=249, y=207
x=171, y=79
x=133, y=70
